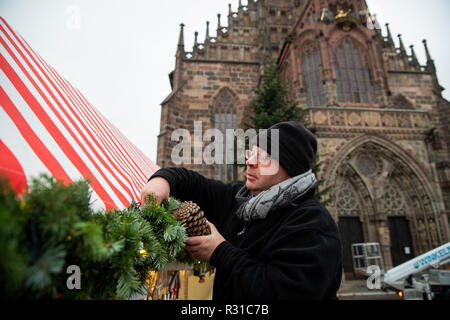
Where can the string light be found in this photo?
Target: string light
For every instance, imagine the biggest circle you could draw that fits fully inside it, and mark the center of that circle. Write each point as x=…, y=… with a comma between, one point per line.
x=143, y=253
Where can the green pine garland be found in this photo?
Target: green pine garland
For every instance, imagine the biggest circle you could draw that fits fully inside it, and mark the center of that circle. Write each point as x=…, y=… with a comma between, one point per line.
x=54, y=227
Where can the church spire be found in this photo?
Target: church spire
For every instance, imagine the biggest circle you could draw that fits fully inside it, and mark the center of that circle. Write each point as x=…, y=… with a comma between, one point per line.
x=414, y=60
x=427, y=52
x=389, y=35
x=230, y=15
x=177, y=74
x=195, y=46
x=218, y=24
x=181, y=38
x=402, y=46
x=430, y=62
x=207, y=31
x=196, y=39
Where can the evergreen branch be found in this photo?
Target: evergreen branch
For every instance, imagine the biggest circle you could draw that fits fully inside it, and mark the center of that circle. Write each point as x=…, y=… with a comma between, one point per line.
x=55, y=228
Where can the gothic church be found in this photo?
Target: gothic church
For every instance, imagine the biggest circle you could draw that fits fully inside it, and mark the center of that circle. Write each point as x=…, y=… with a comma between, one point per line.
x=378, y=114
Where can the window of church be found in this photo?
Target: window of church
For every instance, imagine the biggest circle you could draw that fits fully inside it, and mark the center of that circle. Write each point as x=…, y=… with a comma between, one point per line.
x=315, y=93
x=347, y=201
x=312, y=77
x=354, y=81
x=370, y=165
x=394, y=199
x=225, y=118
x=352, y=69
x=359, y=69
x=319, y=80
x=306, y=81
x=338, y=84
x=343, y=69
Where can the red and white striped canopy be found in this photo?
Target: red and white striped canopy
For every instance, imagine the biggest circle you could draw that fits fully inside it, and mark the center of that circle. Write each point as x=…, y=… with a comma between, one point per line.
x=48, y=126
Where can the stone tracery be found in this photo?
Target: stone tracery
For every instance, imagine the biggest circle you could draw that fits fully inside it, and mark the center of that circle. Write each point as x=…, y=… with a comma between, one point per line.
x=360, y=171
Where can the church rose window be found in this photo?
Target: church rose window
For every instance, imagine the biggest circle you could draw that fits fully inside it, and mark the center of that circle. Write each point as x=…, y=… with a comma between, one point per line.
x=354, y=81
x=367, y=166
x=370, y=165
x=315, y=93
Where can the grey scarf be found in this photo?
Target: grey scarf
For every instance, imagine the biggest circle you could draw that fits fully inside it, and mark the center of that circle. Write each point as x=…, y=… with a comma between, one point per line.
x=278, y=196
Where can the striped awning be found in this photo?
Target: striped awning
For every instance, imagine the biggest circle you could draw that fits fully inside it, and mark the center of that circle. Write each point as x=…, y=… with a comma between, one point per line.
x=48, y=126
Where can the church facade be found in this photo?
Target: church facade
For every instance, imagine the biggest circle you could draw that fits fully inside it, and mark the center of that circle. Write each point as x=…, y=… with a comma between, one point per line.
x=378, y=114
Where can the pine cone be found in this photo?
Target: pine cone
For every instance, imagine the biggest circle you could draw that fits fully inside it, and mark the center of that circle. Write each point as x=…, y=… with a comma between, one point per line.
x=190, y=214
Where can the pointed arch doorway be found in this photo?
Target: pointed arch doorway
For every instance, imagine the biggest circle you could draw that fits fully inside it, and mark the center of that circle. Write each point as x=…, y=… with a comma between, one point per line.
x=354, y=206
x=377, y=183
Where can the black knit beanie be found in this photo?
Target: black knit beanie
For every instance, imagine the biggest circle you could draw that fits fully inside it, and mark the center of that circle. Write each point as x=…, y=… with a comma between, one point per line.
x=297, y=146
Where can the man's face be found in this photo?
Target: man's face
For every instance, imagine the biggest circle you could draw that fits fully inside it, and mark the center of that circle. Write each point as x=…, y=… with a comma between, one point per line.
x=261, y=174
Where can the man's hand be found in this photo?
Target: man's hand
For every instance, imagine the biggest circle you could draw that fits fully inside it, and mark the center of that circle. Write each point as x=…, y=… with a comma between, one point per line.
x=159, y=187
x=202, y=248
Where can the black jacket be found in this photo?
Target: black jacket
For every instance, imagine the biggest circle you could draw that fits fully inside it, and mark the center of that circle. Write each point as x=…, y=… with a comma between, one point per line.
x=295, y=253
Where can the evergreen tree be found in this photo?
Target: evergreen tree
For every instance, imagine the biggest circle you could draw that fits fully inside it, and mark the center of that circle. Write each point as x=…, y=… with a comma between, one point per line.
x=271, y=105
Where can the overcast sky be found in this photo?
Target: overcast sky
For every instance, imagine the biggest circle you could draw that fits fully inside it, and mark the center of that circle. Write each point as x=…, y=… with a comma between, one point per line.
x=121, y=52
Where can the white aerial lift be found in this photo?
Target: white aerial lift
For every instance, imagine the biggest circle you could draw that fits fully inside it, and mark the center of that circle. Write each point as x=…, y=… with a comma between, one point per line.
x=421, y=278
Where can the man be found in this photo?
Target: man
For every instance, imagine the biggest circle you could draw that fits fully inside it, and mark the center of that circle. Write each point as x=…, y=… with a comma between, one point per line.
x=274, y=240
